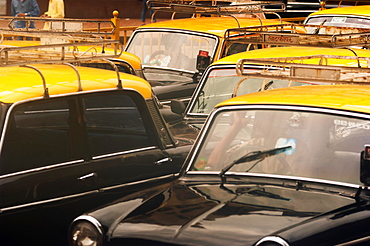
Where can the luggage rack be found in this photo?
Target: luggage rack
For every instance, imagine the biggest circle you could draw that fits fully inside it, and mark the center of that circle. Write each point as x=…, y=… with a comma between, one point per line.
x=289, y=68
x=222, y=7
x=62, y=53
x=58, y=53
x=59, y=26
x=287, y=34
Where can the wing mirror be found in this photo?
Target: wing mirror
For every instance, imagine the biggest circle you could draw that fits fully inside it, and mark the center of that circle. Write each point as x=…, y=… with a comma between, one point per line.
x=365, y=166
x=177, y=106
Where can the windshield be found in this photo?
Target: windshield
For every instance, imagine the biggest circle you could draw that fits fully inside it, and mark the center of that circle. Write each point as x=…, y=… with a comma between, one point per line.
x=323, y=146
x=170, y=49
x=338, y=21
x=220, y=85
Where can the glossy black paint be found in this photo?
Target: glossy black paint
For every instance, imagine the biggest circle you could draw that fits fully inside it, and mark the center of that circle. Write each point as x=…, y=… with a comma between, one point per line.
x=240, y=212
x=38, y=205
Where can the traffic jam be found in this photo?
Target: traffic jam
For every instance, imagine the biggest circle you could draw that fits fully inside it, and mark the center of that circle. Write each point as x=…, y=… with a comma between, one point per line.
x=233, y=122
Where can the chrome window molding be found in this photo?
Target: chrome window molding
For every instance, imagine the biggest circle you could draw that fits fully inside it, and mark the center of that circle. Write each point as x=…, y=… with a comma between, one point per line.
x=123, y=152
x=215, y=112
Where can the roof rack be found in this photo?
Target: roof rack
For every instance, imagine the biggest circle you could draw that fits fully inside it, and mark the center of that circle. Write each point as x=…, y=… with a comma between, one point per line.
x=215, y=7
x=58, y=53
x=59, y=26
x=289, y=68
x=287, y=34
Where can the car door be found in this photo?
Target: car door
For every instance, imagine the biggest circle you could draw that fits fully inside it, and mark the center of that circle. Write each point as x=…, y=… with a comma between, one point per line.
x=124, y=144
x=42, y=163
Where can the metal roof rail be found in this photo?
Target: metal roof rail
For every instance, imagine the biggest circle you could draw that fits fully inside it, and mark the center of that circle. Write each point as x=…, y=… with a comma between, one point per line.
x=287, y=34
x=59, y=26
x=58, y=53
x=222, y=7
x=318, y=71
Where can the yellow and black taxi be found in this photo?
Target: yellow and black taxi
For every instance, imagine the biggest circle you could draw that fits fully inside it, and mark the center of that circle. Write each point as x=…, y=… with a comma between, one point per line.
x=175, y=52
x=220, y=80
x=279, y=167
x=72, y=138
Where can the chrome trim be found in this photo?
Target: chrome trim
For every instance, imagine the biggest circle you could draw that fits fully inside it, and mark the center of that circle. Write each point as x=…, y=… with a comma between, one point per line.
x=41, y=168
x=308, y=108
x=275, y=176
x=90, y=219
x=139, y=182
x=274, y=239
x=123, y=152
x=47, y=201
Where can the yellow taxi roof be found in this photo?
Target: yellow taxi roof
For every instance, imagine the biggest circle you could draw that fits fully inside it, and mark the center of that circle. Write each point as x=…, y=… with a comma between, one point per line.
x=211, y=25
x=21, y=83
x=363, y=10
x=345, y=97
x=295, y=51
x=134, y=60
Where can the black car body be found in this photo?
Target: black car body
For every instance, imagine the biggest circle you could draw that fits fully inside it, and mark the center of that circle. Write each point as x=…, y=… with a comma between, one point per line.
x=74, y=142
x=288, y=166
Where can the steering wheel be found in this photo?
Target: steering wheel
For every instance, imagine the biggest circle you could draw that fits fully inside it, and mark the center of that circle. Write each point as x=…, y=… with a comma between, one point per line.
x=158, y=58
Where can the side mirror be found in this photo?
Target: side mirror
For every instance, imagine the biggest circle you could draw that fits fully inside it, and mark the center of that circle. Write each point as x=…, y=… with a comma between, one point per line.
x=365, y=166
x=203, y=60
x=177, y=106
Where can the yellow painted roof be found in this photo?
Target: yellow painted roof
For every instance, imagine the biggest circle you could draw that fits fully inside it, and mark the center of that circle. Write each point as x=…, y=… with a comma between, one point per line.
x=346, y=97
x=363, y=10
x=295, y=51
x=128, y=57
x=210, y=25
x=20, y=83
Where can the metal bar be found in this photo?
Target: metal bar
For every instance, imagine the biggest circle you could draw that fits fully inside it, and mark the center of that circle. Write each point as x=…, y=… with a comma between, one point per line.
x=217, y=7
x=58, y=53
x=281, y=68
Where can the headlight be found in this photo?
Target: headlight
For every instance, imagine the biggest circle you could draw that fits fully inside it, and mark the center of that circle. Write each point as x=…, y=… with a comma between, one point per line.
x=85, y=231
x=272, y=241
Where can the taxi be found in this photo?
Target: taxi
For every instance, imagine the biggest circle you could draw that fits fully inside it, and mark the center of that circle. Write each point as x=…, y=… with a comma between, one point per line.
x=174, y=53
x=283, y=167
x=72, y=138
x=221, y=81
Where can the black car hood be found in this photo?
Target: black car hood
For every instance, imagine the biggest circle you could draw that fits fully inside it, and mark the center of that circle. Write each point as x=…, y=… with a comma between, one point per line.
x=207, y=214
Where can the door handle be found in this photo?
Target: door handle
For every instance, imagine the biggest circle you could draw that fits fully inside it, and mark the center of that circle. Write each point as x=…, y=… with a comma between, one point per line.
x=90, y=175
x=161, y=161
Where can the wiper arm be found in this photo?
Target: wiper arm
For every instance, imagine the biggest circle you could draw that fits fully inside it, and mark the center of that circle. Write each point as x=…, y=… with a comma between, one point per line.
x=253, y=156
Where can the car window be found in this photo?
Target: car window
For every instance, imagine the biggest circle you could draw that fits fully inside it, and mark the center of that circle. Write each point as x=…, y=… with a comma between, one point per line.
x=172, y=50
x=323, y=146
x=114, y=124
x=221, y=83
x=338, y=21
x=38, y=134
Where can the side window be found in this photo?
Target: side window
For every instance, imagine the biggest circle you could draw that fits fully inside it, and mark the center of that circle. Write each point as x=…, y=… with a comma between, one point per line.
x=38, y=134
x=115, y=124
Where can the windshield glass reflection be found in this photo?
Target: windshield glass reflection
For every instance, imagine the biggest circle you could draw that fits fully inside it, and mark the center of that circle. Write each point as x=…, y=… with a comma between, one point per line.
x=323, y=146
x=170, y=50
x=220, y=85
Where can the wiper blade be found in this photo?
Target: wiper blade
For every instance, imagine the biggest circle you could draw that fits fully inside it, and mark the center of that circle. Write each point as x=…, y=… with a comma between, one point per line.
x=255, y=155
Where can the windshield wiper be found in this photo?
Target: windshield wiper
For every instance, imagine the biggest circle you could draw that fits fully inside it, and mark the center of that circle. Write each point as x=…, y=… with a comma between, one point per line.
x=253, y=156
